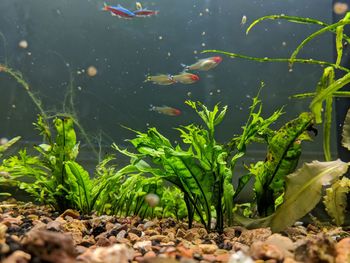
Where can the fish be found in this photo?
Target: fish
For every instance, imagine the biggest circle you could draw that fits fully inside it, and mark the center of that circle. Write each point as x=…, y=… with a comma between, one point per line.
x=186, y=78
x=161, y=79
x=166, y=110
x=204, y=64
x=144, y=12
x=118, y=11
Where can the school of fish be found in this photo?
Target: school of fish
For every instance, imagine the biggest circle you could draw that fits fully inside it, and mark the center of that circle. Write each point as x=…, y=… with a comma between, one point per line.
x=184, y=77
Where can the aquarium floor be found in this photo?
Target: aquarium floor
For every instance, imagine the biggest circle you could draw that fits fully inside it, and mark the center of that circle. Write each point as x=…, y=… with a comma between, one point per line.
x=30, y=233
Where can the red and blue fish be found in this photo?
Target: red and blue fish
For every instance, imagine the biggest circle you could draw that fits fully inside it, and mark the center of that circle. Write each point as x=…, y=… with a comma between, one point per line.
x=144, y=12
x=123, y=12
x=119, y=11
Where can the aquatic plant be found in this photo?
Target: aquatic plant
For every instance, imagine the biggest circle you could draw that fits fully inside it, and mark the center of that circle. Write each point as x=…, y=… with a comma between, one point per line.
x=328, y=86
x=303, y=192
x=55, y=178
x=4, y=178
x=283, y=152
x=335, y=199
x=203, y=170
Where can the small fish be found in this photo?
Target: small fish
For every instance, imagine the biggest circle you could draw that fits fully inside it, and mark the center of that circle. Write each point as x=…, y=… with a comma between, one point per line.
x=186, y=78
x=244, y=20
x=118, y=11
x=204, y=64
x=161, y=79
x=166, y=110
x=145, y=12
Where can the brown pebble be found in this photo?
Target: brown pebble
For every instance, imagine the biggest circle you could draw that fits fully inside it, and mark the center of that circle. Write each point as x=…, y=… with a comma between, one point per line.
x=343, y=250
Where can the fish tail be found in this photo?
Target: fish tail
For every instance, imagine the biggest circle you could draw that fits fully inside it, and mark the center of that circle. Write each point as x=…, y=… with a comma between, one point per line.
x=104, y=8
x=186, y=68
x=152, y=108
x=148, y=78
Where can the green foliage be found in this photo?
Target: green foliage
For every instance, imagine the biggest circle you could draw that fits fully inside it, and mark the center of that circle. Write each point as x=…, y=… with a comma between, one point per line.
x=4, y=176
x=346, y=131
x=53, y=177
x=328, y=87
x=200, y=171
x=284, y=149
x=303, y=192
x=335, y=200
x=8, y=144
x=201, y=168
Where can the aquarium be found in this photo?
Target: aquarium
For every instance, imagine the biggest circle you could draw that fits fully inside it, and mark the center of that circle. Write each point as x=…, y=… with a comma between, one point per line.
x=172, y=124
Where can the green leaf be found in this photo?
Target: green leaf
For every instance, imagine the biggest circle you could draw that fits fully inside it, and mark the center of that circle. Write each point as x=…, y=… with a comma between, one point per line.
x=303, y=192
x=80, y=185
x=335, y=200
x=282, y=157
x=346, y=131
x=7, y=145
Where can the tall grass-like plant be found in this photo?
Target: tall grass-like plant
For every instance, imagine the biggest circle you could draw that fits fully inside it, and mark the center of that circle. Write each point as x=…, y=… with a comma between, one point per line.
x=328, y=87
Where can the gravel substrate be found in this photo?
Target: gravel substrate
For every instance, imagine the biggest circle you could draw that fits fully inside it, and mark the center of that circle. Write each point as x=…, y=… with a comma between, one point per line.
x=30, y=233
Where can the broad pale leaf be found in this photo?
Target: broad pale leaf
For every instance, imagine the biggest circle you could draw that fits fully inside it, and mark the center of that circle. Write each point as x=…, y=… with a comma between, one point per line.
x=303, y=191
x=335, y=200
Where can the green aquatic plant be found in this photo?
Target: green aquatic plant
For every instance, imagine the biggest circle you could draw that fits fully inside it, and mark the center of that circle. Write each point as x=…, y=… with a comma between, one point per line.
x=328, y=86
x=54, y=177
x=283, y=152
x=303, y=192
x=5, y=146
x=201, y=168
x=4, y=176
x=200, y=171
x=335, y=199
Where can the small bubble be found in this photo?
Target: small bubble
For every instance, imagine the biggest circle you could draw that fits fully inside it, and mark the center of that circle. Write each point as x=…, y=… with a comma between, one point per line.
x=91, y=71
x=340, y=8
x=247, y=96
x=203, y=44
x=290, y=70
x=189, y=94
x=79, y=88
x=169, y=54
x=200, y=14
x=284, y=43
x=29, y=53
x=147, y=124
x=160, y=37
x=195, y=51
x=152, y=200
x=211, y=93
x=3, y=140
x=13, y=106
x=23, y=44
x=78, y=72
x=218, y=90
x=203, y=33
x=207, y=10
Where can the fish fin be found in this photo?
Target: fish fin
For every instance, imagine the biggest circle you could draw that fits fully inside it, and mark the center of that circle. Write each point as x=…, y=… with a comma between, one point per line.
x=186, y=67
x=138, y=5
x=104, y=8
x=148, y=78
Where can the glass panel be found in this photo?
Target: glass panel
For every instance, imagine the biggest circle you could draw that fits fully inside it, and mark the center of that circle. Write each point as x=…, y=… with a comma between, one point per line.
x=64, y=38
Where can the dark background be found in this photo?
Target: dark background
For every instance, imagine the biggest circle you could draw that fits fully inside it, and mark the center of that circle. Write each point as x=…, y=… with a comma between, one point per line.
x=66, y=36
